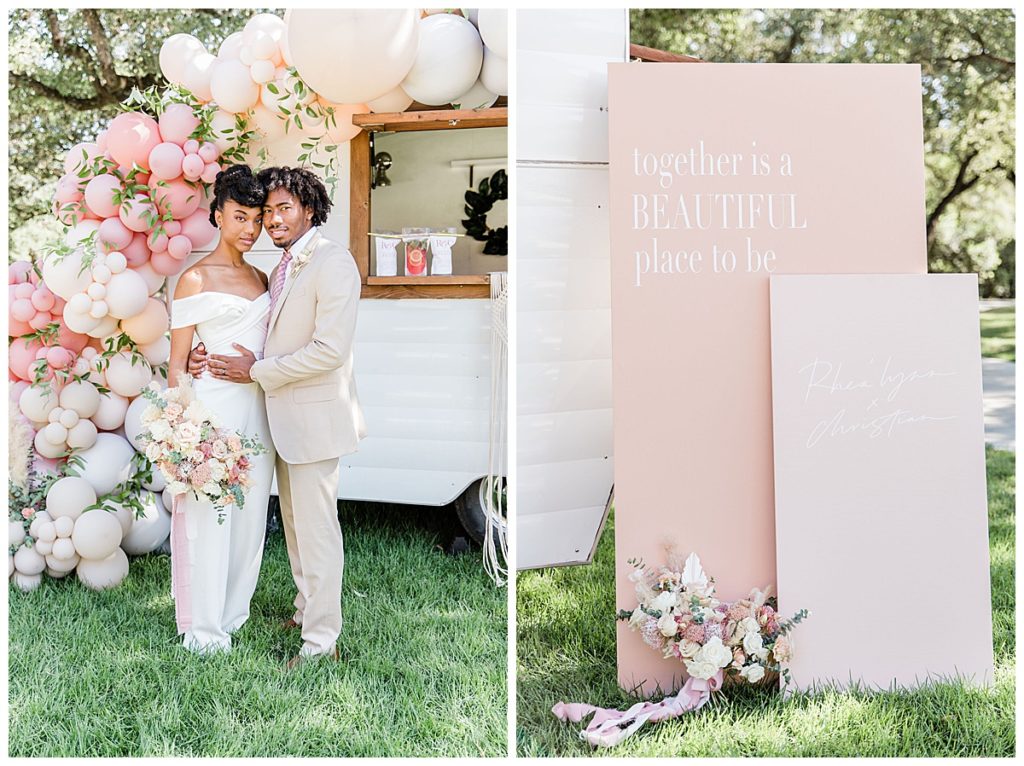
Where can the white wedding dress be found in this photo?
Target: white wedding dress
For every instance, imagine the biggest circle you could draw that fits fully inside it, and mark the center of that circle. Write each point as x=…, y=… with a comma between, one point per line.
x=217, y=565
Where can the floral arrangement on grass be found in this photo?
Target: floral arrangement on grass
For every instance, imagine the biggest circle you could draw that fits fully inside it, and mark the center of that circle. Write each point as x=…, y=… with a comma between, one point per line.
x=679, y=615
x=183, y=439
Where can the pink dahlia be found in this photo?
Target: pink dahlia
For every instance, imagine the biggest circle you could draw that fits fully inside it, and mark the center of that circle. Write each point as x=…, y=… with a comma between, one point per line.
x=200, y=475
x=694, y=633
x=738, y=612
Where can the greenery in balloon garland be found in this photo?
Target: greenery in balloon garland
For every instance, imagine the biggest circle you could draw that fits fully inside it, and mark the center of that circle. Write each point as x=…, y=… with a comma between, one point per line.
x=478, y=205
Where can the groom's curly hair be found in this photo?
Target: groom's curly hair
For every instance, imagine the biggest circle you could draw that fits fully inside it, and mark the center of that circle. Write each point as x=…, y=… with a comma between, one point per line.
x=303, y=184
x=236, y=183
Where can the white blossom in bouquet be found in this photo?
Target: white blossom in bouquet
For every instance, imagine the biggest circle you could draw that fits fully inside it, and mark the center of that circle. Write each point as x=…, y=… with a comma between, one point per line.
x=150, y=414
x=211, y=489
x=217, y=469
x=667, y=625
x=753, y=673
x=196, y=413
x=701, y=668
x=177, y=488
x=693, y=577
x=187, y=434
x=153, y=452
x=219, y=449
x=715, y=653
x=665, y=601
x=160, y=430
x=753, y=645
x=688, y=648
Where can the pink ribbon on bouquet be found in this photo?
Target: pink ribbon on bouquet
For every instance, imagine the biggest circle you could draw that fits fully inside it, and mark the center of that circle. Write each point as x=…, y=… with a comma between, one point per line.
x=609, y=726
x=181, y=579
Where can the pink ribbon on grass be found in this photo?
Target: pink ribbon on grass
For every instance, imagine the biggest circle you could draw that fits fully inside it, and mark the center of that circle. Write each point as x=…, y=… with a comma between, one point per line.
x=609, y=726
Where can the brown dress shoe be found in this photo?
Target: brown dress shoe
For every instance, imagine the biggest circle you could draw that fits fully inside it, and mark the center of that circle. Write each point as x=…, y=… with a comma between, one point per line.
x=300, y=659
x=289, y=624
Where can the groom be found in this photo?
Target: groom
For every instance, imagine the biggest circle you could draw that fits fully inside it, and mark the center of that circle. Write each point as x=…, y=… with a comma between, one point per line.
x=306, y=375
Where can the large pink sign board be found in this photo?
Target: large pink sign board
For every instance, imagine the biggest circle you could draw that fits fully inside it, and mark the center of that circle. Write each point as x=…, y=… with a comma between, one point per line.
x=880, y=500
x=722, y=174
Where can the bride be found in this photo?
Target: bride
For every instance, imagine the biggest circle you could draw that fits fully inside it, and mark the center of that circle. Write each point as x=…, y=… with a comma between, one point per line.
x=224, y=301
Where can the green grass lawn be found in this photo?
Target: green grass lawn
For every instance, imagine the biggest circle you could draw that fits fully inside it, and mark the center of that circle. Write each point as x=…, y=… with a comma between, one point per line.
x=423, y=670
x=997, y=334
x=566, y=647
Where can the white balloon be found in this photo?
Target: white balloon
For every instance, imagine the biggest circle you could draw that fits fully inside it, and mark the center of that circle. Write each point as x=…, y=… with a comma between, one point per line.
x=157, y=352
x=133, y=421
x=266, y=23
x=29, y=561
x=44, y=548
x=493, y=25
x=106, y=327
x=224, y=130
x=38, y=519
x=175, y=54
x=46, y=448
x=64, y=550
x=47, y=532
x=395, y=100
x=111, y=411
x=79, y=233
x=56, y=434
x=125, y=517
x=55, y=574
x=351, y=56
x=26, y=583
x=80, y=396
x=269, y=123
x=148, y=530
x=64, y=526
x=63, y=564
x=37, y=402
x=158, y=482
x=66, y=276
x=79, y=322
x=153, y=280
x=262, y=71
x=15, y=533
x=232, y=86
x=82, y=435
x=103, y=573
x=198, y=73
x=127, y=294
x=10, y=564
x=448, y=60
x=263, y=46
x=97, y=533
x=107, y=463
x=477, y=97
x=230, y=47
x=126, y=377
x=68, y=497
x=494, y=73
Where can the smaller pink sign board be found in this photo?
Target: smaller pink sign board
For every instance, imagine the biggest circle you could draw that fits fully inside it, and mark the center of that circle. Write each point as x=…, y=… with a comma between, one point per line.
x=880, y=494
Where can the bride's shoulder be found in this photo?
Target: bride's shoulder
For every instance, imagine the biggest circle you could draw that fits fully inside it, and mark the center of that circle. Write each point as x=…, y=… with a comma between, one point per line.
x=190, y=283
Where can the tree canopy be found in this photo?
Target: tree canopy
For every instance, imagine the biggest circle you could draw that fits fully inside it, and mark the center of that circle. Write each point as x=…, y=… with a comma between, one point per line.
x=967, y=88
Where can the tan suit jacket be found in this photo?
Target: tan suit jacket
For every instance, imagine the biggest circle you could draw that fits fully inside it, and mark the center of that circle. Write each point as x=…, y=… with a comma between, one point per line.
x=306, y=372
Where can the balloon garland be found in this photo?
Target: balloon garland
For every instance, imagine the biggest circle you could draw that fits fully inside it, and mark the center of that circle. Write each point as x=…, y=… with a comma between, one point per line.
x=88, y=321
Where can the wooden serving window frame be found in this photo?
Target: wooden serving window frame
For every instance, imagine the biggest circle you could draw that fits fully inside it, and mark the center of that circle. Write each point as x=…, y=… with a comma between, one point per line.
x=455, y=286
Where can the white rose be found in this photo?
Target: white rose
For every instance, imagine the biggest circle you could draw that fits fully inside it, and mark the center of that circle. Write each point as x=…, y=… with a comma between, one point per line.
x=688, y=648
x=177, y=487
x=753, y=644
x=211, y=489
x=151, y=413
x=196, y=456
x=187, y=434
x=667, y=625
x=753, y=673
x=749, y=625
x=217, y=469
x=153, y=451
x=665, y=601
x=701, y=669
x=159, y=430
x=714, y=652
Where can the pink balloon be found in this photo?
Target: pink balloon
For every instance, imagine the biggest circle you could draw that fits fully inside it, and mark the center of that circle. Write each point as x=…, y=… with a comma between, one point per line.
x=69, y=189
x=99, y=195
x=131, y=137
x=72, y=341
x=165, y=161
x=179, y=247
x=101, y=141
x=191, y=146
x=193, y=166
x=18, y=272
x=43, y=298
x=164, y=263
x=69, y=213
x=198, y=229
x=177, y=123
x=173, y=228
x=209, y=152
x=58, y=358
x=40, y=320
x=138, y=213
x=136, y=252
x=80, y=157
x=16, y=388
x=209, y=174
x=24, y=290
x=20, y=356
x=22, y=309
x=113, y=235
x=157, y=241
x=178, y=197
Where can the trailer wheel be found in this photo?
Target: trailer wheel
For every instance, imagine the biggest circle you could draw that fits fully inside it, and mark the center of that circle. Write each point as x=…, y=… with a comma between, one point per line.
x=469, y=507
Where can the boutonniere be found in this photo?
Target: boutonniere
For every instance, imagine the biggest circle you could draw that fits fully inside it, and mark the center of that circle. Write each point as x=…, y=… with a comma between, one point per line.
x=300, y=259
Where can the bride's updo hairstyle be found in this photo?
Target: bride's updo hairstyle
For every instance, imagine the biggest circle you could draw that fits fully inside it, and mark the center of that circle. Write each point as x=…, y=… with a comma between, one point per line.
x=236, y=183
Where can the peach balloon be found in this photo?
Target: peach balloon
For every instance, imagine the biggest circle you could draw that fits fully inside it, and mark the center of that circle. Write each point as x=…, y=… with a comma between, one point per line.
x=113, y=235
x=177, y=123
x=80, y=396
x=131, y=137
x=179, y=197
x=165, y=264
x=179, y=247
x=99, y=195
x=127, y=378
x=148, y=325
x=262, y=71
x=69, y=189
x=175, y=54
x=22, y=309
x=340, y=129
x=80, y=157
x=97, y=534
x=165, y=161
x=232, y=86
x=198, y=229
x=230, y=47
x=136, y=253
x=157, y=352
x=223, y=129
x=127, y=294
x=20, y=356
x=138, y=213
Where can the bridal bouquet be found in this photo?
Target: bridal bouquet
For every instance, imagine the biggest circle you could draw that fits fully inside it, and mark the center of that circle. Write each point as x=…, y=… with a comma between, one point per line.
x=183, y=439
x=679, y=615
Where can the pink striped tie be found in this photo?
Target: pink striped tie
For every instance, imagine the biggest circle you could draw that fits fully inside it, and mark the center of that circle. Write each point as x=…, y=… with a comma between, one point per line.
x=282, y=273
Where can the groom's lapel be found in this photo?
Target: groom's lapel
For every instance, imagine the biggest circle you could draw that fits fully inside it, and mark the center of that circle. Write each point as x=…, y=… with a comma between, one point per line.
x=290, y=280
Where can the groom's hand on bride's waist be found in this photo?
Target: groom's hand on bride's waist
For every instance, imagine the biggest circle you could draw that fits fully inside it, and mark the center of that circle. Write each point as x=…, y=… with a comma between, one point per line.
x=232, y=368
x=197, y=361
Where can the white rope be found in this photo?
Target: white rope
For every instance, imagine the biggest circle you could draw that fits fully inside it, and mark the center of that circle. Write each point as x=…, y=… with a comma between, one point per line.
x=493, y=498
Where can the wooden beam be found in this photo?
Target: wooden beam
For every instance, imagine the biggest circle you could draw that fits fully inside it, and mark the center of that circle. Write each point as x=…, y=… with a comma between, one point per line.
x=426, y=291
x=434, y=119
x=644, y=53
x=447, y=279
x=359, y=202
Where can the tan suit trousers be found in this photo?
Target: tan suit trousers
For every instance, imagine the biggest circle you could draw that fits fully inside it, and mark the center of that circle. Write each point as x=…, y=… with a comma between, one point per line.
x=309, y=512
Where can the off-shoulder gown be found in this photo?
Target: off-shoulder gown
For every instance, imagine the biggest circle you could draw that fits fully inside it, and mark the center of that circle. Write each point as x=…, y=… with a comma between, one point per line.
x=215, y=566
